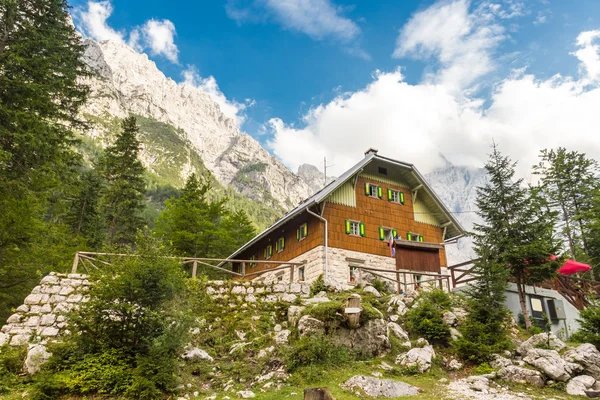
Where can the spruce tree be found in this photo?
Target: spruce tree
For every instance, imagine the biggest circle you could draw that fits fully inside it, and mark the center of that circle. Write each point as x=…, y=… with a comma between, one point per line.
x=568, y=180
x=83, y=214
x=122, y=198
x=516, y=231
x=191, y=224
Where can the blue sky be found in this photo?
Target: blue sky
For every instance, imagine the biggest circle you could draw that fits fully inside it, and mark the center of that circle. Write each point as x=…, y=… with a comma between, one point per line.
x=293, y=70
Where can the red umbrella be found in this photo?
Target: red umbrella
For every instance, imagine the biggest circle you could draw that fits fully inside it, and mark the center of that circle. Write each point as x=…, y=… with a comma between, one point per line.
x=572, y=267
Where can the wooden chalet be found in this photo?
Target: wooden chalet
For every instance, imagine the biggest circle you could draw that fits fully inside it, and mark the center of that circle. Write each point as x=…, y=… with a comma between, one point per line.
x=379, y=218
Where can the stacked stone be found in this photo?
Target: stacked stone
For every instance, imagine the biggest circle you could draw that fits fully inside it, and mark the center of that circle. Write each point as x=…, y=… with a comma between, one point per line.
x=42, y=316
x=255, y=292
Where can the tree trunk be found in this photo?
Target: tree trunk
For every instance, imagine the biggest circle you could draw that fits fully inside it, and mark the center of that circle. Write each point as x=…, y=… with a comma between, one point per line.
x=318, y=394
x=523, y=301
x=569, y=233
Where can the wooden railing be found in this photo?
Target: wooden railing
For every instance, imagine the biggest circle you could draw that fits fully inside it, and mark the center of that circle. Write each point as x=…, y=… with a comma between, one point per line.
x=462, y=273
x=404, y=283
x=88, y=260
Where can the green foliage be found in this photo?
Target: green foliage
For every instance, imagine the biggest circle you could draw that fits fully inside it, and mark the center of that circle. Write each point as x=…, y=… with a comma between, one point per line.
x=129, y=333
x=589, y=325
x=318, y=286
x=379, y=285
x=83, y=215
x=122, y=197
x=484, y=331
x=368, y=313
x=426, y=317
x=311, y=355
x=331, y=313
x=197, y=227
x=483, y=368
x=11, y=365
x=517, y=227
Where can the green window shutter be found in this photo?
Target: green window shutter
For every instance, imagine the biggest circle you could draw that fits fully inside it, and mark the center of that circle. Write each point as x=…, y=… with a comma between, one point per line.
x=408, y=236
x=282, y=243
x=389, y=192
x=381, y=233
x=367, y=189
x=402, y=197
x=394, y=233
x=347, y=226
x=265, y=253
x=380, y=192
x=270, y=250
x=421, y=238
x=362, y=229
x=305, y=227
x=298, y=234
x=277, y=246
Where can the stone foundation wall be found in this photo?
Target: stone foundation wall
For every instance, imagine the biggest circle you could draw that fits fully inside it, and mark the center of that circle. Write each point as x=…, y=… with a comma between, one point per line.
x=42, y=314
x=315, y=262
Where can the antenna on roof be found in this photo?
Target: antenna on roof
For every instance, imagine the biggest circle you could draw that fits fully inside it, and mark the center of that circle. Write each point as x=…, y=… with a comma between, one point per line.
x=325, y=170
x=371, y=151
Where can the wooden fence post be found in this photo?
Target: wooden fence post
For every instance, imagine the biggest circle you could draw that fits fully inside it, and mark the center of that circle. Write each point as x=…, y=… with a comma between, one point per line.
x=75, y=263
x=194, y=268
x=318, y=394
x=243, y=270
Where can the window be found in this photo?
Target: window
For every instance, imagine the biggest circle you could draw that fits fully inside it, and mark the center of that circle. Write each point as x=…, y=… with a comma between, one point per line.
x=252, y=258
x=395, y=196
x=268, y=252
x=387, y=234
x=415, y=237
x=382, y=170
x=302, y=232
x=353, y=274
x=373, y=190
x=301, y=274
x=355, y=228
x=417, y=279
x=280, y=245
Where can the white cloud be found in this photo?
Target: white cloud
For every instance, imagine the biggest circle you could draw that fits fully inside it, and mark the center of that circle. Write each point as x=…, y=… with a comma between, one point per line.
x=93, y=21
x=158, y=36
x=417, y=123
x=588, y=54
x=318, y=19
x=231, y=109
x=462, y=41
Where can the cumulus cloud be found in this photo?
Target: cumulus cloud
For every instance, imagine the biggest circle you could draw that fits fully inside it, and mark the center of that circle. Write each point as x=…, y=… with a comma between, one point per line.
x=231, y=109
x=158, y=36
x=462, y=41
x=318, y=19
x=588, y=54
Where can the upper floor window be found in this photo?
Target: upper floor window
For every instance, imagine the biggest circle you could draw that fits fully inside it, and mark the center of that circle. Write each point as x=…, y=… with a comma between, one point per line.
x=268, y=252
x=355, y=228
x=387, y=233
x=373, y=190
x=415, y=237
x=280, y=245
x=302, y=232
x=301, y=276
x=395, y=196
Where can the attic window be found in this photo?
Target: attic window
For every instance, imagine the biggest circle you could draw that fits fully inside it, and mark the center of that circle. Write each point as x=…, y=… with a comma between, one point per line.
x=382, y=170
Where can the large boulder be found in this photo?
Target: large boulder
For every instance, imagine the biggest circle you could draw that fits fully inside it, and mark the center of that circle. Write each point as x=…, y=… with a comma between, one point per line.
x=372, y=290
x=541, y=340
x=450, y=318
x=375, y=387
x=421, y=357
x=586, y=355
x=578, y=385
x=521, y=375
x=551, y=364
x=398, y=331
x=498, y=361
x=37, y=355
x=294, y=314
x=370, y=339
x=308, y=325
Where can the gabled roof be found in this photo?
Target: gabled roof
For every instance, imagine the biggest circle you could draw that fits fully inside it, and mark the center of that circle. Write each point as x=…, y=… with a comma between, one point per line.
x=411, y=175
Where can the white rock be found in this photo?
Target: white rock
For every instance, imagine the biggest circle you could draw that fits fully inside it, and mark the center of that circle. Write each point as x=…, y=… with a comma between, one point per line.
x=23, y=308
x=578, y=384
x=420, y=357
x=539, y=340
x=295, y=288
x=19, y=340
x=49, y=280
x=238, y=290
x=551, y=364
x=33, y=299
x=372, y=290
x=3, y=339
x=197, y=354
x=450, y=319
x=294, y=314
x=587, y=356
x=375, y=387
x=277, y=328
x=288, y=297
x=310, y=326
x=49, y=331
x=37, y=355
x=316, y=300
x=246, y=394
x=279, y=288
x=455, y=365
x=398, y=331
x=455, y=334
x=515, y=374
x=14, y=319
x=282, y=337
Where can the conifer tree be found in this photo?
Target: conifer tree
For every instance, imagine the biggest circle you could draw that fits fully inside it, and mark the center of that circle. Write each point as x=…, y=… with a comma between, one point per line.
x=84, y=215
x=516, y=231
x=122, y=197
x=568, y=180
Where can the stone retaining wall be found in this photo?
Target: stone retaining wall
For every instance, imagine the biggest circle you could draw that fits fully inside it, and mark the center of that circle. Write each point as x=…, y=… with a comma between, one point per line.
x=42, y=314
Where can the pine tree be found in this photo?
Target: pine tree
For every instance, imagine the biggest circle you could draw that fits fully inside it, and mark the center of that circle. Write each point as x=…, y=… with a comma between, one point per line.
x=568, y=179
x=122, y=197
x=191, y=223
x=238, y=230
x=83, y=214
x=517, y=228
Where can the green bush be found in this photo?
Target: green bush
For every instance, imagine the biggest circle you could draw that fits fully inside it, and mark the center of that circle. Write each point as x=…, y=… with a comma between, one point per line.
x=426, y=318
x=11, y=365
x=316, y=353
x=379, y=285
x=483, y=368
x=589, y=321
x=330, y=313
x=318, y=286
x=368, y=313
x=479, y=342
x=129, y=333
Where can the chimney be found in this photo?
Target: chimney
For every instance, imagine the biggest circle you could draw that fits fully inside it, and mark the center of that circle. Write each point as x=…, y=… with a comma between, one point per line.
x=371, y=151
